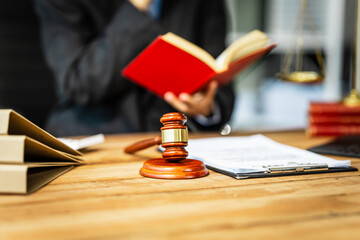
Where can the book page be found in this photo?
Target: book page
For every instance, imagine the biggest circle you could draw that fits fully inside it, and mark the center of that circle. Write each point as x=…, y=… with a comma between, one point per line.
x=191, y=48
x=255, y=153
x=241, y=47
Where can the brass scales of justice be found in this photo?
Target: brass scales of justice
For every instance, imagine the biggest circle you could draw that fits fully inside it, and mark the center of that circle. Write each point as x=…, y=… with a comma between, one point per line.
x=294, y=72
x=295, y=51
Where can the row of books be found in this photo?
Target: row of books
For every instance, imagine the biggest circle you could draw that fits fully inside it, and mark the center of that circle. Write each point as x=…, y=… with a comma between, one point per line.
x=29, y=156
x=333, y=119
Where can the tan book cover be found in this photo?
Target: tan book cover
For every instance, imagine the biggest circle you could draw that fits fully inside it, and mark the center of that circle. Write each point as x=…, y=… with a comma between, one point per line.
x=27, y=178
x=18, y=149
x=12, y=123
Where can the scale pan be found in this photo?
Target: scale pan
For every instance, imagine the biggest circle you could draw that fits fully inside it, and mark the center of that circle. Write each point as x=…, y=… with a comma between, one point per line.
x=353, y=99
x=301, y=77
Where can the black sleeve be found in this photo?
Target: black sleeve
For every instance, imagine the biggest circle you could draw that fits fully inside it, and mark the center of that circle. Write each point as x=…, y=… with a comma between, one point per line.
x=212, y=38
x=87, y=68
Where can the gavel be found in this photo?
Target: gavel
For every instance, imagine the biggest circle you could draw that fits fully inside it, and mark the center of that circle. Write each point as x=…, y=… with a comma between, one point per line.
x=173, y=164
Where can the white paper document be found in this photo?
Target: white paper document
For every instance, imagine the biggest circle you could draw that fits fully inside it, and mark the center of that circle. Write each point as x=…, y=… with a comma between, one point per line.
x=82, y=143
x=255, y=153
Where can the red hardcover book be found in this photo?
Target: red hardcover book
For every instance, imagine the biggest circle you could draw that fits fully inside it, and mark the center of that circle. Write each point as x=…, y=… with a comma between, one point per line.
x=332, y=108
x=334, y=119
x=171, y=63
x=333, y=129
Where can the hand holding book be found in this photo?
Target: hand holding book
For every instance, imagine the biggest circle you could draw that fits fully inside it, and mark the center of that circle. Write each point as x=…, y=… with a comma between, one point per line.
x=201, y=102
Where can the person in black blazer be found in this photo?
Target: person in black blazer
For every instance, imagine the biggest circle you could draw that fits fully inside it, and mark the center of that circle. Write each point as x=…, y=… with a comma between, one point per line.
x=88, y=42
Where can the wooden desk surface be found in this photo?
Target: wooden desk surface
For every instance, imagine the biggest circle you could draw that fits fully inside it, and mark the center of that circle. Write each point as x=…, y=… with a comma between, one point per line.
x=108, y=199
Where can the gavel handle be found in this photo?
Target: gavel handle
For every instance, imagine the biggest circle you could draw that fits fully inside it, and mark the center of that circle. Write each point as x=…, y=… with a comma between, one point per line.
x=143, y=144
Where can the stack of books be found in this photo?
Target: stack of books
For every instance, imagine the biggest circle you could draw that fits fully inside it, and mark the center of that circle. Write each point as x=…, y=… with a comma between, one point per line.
x=333, y=119
x=29, y=156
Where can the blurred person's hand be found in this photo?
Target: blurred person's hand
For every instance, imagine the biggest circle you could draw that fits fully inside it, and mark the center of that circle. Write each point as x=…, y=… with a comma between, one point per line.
x=201, y=102
x=142, y=5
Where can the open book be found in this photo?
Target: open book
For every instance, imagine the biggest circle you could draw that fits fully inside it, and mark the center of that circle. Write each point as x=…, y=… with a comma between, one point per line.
x=171, y=63
x=258, y=156
x=29, y=156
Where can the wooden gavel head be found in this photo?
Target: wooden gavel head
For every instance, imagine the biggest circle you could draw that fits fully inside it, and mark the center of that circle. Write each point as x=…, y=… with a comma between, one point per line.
x=174, y=136
x=173, y=164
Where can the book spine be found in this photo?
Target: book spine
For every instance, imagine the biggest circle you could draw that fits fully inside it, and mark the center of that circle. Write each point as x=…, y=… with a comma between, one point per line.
x=12, y=149
x=334, y=119
x=13, y=178
x=333, y=129
x=332, y=108
x=4, y=121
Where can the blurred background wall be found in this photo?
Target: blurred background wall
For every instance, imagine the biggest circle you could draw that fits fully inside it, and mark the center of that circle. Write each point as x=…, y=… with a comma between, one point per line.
x=263, y=102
